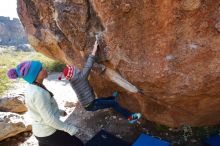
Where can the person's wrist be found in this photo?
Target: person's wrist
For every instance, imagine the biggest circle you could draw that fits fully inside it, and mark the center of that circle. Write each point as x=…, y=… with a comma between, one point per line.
x=93, y=52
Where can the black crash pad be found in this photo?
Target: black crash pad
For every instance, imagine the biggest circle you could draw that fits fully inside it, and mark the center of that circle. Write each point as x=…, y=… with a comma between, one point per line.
x=104, y=138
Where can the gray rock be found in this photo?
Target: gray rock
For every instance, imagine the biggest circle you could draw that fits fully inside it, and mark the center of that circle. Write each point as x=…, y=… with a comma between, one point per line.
x=11, y=32
x=24, y=47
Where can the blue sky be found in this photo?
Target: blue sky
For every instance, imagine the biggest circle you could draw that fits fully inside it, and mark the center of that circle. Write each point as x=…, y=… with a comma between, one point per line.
x=8, y=8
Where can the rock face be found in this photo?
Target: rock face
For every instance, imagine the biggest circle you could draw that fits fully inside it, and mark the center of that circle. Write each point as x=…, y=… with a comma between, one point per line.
x=12, y=124
x=163, y=56
x=14, y=103
x=11, y=32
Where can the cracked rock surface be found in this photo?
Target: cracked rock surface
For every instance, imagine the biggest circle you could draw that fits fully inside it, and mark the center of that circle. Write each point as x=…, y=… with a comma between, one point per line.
x=168, y=50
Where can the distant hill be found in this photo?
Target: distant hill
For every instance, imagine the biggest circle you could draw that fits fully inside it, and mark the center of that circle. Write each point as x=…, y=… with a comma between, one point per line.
x=11, y=32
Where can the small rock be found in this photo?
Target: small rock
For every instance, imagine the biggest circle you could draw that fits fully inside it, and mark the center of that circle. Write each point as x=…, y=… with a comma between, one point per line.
x=119, y=119
x=69, y=104
x=114, y=117
x=217, y=26
x=126, y=7
x=145, y=130
x=26, y=134
x=30, y=134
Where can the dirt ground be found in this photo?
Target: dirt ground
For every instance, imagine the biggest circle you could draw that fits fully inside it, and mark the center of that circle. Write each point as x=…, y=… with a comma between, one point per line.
x=90, y=123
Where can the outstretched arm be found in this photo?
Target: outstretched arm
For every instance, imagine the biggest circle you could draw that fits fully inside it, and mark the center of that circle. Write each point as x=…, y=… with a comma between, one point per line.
x=95, y=48
x=90, y=61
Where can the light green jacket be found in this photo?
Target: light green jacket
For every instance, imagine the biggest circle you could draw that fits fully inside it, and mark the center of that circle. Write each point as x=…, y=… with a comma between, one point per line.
x=44, y=113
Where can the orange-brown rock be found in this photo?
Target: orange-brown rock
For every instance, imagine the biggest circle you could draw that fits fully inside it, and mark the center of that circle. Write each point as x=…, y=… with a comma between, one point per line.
x=167, y=51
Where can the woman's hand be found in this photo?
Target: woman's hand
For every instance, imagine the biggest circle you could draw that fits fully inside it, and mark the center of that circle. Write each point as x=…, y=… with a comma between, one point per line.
x=95, y=48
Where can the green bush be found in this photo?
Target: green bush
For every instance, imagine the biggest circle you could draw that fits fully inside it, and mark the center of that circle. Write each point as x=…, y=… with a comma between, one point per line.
x=55, y=66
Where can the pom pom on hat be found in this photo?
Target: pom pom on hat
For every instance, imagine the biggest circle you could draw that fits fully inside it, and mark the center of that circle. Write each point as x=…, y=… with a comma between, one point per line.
x=12, y=74
x=68, y=72
x=27, y=70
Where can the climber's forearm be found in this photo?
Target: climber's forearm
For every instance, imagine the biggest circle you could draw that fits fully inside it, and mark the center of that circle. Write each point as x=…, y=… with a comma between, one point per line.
x=95, y=48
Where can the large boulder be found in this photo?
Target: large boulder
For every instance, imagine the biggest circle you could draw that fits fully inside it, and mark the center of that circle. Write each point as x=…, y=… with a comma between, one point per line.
x=163, y=56
x=11, y=32
x=13, y=103
x=12, y=124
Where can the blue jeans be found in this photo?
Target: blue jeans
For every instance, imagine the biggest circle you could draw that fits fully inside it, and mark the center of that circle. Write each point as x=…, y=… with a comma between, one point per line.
x=109, y=102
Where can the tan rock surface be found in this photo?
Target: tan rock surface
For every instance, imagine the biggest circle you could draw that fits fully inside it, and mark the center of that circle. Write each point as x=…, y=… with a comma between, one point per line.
x=12, y=124
x=14, y=103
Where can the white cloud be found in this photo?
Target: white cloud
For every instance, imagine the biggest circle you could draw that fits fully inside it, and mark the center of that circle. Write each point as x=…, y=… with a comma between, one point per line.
x=8, y=8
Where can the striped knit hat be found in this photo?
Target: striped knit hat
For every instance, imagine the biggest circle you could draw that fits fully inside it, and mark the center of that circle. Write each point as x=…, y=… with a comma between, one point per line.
x=68, y=72
x=28, y=70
